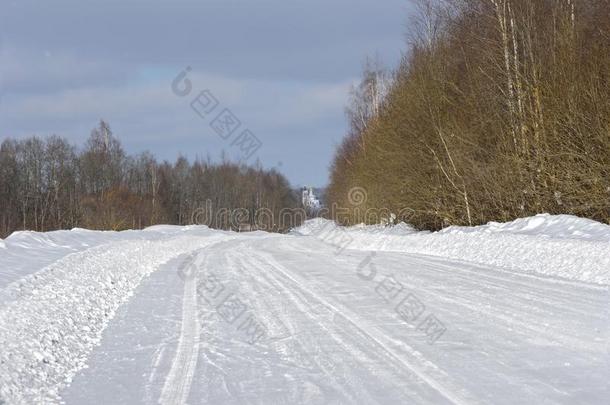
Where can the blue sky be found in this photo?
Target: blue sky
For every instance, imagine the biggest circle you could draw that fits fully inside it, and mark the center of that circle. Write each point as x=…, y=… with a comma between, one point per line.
x=282, y=67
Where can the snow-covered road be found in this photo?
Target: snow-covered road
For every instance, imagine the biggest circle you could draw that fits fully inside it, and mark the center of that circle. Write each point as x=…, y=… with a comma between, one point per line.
x=202, y=316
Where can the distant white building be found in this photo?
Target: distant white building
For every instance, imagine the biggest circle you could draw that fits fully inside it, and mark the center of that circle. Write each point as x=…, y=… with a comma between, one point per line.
x=309, y=199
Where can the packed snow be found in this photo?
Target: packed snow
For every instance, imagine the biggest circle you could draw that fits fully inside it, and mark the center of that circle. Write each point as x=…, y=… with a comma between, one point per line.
x=500, y=313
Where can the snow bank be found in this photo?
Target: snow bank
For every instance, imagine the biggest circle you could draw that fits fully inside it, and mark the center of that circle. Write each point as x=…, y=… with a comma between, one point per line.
x=545, y=226
x=555, y=245
x=52, y=319
x=26, y=252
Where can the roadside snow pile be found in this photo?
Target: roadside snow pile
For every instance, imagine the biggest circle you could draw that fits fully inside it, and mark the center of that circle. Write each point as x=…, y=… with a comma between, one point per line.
x=555, y=245
x=546, y=226
x=398, y=229
x=25, y=252
x=52, y=319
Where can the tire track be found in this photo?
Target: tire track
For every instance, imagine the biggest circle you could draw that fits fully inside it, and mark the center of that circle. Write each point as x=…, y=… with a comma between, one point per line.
x=416, y=365
x=178, y=383
x=348, y=393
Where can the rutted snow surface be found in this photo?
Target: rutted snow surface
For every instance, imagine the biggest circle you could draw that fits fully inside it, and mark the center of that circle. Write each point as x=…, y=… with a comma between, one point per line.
x=52, y=319
x=74, y=331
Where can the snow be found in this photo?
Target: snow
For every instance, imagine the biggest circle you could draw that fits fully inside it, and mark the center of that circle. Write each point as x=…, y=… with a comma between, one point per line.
x=26, y=251
x=54, y=317
x=560, y=246
x=545, y=226
x=521, y=312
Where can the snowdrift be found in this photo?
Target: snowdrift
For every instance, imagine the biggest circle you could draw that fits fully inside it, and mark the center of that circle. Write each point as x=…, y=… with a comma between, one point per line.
x=26, y=252
x=562, y=246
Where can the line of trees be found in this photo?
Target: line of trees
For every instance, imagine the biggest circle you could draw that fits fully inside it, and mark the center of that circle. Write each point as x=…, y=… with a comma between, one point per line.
x=500, y=109
x=47, y=184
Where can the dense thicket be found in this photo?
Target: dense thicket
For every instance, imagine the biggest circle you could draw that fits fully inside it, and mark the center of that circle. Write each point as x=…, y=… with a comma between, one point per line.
x=46, y=184
x=501, y=109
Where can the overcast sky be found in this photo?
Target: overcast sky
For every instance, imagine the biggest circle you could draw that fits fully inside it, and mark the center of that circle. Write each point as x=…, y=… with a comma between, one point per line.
x=282, y=67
